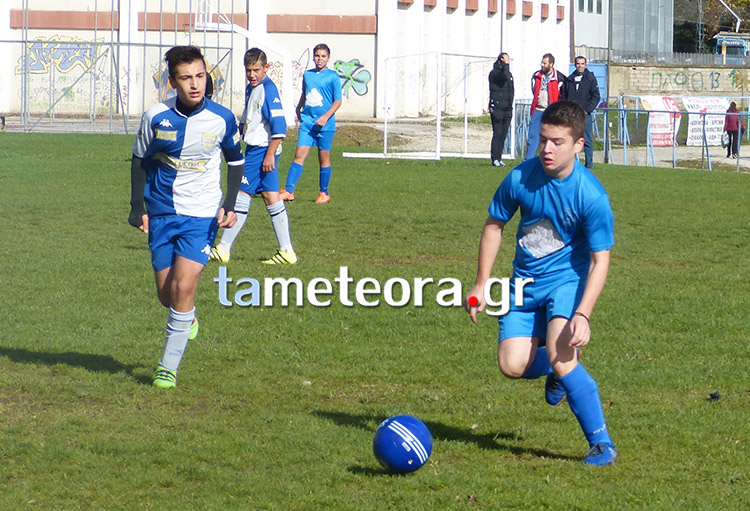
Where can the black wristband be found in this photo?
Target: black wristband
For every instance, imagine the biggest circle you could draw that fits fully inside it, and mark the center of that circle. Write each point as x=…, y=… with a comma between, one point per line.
x=582, y=315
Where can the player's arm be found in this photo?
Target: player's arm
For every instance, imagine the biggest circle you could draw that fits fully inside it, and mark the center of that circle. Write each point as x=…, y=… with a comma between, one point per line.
x=138, y=216
x=227, y=217
x=269, y=161
x=489, y=245
x=580, y=331
x=300, y=104
x=323, y=119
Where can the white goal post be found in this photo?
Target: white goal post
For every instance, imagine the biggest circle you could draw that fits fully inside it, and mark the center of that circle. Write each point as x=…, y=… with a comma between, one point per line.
x=430, y=100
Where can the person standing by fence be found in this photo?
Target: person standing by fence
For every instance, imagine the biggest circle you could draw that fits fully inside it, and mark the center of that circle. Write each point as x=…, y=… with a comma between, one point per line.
x=732, y=124
x=501, y=106
x=582, y=88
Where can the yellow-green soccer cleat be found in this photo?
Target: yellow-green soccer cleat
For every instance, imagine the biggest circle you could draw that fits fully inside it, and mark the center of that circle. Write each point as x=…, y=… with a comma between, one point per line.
x=194, y=329
x=164, y=378
x=219, y=255
x=282, y=258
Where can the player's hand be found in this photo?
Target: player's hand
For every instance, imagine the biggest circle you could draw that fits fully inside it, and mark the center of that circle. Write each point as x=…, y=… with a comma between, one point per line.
x=226, y=220
x=322, y=120
x=474, y=302
x=269, y=163
x=580, y=331
x=138, y=221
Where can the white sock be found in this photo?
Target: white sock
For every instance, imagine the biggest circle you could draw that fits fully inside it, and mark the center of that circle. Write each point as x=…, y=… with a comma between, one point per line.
x=175, y=342
x=280, y=222
x=242, y=209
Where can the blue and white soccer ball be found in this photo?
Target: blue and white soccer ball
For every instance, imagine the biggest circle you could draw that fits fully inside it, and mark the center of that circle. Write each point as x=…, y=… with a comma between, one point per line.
x=402, y=444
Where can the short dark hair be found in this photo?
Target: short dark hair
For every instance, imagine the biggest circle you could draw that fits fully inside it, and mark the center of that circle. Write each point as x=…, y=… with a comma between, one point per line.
x=182, y=55
x=568, y=115
x=254, y=55
x=581, y=57
x=549, y=57
x=322, y=46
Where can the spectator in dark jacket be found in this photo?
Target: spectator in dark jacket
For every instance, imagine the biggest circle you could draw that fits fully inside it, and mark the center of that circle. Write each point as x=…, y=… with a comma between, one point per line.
x=583, y=89
x=501, y=106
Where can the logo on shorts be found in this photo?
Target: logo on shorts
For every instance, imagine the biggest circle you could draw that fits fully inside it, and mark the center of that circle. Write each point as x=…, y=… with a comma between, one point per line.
x=206, y=250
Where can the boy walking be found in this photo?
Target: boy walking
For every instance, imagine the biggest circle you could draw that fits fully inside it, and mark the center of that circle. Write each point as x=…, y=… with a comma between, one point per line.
x=176, y=171
x=564, y=239
x=320, y=98
x=264, y=127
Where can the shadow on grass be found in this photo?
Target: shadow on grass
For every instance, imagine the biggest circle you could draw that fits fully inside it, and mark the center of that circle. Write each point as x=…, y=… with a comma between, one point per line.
x=88, y=361
x=498, y=441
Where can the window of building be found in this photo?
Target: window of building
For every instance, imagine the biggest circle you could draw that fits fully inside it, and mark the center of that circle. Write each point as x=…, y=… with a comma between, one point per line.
x=591, y=5
x=598, y=6
x=581, y=5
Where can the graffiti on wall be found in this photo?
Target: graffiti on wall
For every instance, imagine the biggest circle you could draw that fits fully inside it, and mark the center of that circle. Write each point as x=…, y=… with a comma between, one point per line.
x=353, y=77
x=711, y=81
x=61, y=52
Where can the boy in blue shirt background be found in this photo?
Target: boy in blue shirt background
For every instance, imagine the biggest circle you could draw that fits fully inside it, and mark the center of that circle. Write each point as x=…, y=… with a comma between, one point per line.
x=321, y=97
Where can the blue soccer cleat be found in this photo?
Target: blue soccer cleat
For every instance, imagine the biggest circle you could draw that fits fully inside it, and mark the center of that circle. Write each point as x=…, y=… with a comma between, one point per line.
x=554, y=392
x=601, y=455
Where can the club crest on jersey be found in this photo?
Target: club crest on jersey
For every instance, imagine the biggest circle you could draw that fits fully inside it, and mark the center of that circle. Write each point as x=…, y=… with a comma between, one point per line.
x=166, y=134
x=209, y=140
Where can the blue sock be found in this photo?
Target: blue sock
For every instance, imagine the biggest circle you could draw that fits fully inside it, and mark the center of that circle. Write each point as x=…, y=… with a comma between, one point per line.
x=295, y=171
x=539, y=367
x=324, y=179
x=584, y=401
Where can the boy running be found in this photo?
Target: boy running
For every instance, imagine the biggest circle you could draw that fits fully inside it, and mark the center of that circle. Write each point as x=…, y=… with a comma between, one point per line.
x=176, y=169
x=264, y=127
x=321, y=97
x=564, y=239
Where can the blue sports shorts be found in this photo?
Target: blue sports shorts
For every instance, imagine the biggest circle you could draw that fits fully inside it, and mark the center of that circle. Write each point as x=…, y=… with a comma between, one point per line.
x=541, y=302
x=187, y=236
x=323, y=140
x=254, y=179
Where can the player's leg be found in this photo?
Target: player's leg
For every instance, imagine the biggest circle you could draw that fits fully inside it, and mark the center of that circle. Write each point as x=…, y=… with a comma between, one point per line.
x=222, y=251
x=324, y=141
x=279, y=218
x=250, y=185
x=516, y=355
x=304, y=143
x=582, y=392
x=191, y=240
x=520, y=334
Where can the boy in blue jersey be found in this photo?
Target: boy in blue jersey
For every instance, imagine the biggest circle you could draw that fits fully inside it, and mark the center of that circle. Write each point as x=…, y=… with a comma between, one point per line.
x=563, y=243
x=321, y=97
x=263, y=126
x=176, y=171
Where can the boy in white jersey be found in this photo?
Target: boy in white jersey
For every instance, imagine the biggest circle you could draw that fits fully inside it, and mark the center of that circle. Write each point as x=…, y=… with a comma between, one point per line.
x=563, y=242
x=176, y=170
x=264, y=127
x=320, y=99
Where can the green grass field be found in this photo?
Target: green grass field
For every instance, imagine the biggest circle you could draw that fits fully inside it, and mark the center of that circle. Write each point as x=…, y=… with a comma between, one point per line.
x=276, y=406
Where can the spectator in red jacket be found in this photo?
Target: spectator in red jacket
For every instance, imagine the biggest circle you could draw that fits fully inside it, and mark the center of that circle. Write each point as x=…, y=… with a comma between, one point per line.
x=548, y=86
